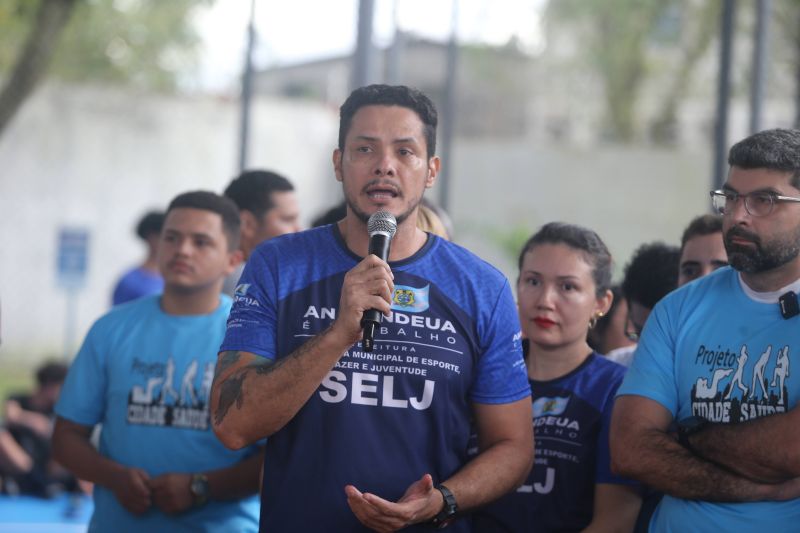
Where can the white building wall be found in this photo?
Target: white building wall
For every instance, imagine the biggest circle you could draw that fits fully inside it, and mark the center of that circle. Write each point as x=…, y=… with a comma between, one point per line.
x=99, y=158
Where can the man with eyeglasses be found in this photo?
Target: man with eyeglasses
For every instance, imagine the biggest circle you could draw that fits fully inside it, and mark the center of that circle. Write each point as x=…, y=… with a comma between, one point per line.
x=649, y=276
x=716, y=357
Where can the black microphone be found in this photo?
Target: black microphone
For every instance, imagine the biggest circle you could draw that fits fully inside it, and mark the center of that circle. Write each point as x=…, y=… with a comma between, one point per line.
x=789, y=305
x=381, y=227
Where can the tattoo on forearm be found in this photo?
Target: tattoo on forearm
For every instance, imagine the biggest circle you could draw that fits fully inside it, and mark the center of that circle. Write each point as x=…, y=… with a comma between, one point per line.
x=227, y=360
x=224, y=362
x=231, y=391
x=266, y=366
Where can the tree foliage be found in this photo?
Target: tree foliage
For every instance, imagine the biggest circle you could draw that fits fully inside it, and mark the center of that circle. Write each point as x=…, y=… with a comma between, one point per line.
x=146, y=43
x=34, y=56
x=618, y=38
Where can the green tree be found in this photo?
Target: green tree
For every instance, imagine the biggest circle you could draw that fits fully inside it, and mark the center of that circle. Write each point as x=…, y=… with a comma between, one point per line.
x=787, y=15
x=616, y=33
x=146, y=43
x=695, y=41
x=31, y=61
x=617, y=39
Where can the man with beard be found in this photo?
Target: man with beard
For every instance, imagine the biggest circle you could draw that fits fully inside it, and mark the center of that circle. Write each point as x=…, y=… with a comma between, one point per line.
x=375, y=440
x=732, y=460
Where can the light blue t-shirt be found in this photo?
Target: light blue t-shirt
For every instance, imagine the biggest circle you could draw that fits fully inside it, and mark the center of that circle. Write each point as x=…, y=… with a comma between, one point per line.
x=146, y=377
x=711, y=350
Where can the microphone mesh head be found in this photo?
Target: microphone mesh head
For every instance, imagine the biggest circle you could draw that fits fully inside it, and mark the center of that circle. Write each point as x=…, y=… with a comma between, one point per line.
x=382, y=222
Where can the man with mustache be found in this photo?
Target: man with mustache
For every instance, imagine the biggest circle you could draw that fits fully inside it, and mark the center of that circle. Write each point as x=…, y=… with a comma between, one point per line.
x=159, y=466
x=727, y=459
x=375, y=440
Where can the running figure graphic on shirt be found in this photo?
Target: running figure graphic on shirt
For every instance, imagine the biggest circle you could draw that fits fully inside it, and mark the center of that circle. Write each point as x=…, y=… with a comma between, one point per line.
x=187, y=384
x=168, y=389
x=758, y=373
x=737, y=377
x=781, y=371
x=186, y=408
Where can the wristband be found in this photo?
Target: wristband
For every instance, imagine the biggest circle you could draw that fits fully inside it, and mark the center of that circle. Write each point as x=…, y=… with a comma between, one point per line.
x=198, y=487
x=448, y=513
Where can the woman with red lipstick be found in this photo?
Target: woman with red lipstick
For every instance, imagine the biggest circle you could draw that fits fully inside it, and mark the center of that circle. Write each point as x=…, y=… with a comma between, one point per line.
x=563, y=288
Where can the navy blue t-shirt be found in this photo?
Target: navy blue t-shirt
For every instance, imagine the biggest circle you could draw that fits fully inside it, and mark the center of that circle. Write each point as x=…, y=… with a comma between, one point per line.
x=571, y=417
x=379, y=420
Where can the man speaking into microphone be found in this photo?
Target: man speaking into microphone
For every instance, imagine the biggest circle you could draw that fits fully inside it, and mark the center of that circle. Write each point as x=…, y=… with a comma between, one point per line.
x=375, y=440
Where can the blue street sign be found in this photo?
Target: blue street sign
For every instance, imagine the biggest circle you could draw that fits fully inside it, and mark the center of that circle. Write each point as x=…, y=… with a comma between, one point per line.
x=73, y=256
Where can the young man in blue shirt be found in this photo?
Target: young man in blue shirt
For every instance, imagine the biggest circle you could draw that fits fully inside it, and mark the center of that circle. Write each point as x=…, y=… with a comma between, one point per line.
x=144, y=372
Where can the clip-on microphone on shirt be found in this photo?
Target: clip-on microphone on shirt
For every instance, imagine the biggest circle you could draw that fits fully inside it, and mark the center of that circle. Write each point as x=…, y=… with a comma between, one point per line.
x=789, y=305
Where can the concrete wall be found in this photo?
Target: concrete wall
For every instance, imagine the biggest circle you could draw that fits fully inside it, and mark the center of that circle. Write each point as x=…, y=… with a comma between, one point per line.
x=628, y=195
x=99, y=157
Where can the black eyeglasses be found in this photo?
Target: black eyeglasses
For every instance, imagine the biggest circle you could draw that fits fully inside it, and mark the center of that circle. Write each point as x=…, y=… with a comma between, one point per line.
x=632, y=329
x=757, y=204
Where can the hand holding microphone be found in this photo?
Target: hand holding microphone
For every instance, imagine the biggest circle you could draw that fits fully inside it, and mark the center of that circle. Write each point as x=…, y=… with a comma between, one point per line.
x=381, y=227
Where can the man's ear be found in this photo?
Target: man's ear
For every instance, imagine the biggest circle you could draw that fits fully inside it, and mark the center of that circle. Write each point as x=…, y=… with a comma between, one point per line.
x=249, y=223
x=434, y=164
x=337, y=164
x=235, y=258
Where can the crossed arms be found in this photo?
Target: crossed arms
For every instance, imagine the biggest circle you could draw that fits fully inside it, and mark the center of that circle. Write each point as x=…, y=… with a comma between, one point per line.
x=745, y=462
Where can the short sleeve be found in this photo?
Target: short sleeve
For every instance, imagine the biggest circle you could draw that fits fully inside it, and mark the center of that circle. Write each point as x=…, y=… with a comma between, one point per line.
x=83, y=394
x=652, y=373
x=501, y=373
x=252, y=322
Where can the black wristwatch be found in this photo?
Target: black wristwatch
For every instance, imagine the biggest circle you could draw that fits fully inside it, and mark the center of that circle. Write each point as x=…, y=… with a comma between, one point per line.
x=690, y=426
x=448, y=513
x=199, y=489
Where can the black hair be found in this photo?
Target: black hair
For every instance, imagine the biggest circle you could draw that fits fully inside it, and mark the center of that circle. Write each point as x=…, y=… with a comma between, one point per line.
x=651, y=274
x=252, y=190
x=390, y=95
x=597, y=334
x=776, y=149
x=700, y=226
x=150, y=224
x=215, y=203
x=581, y=239
x=52, y=373
x=331, y=216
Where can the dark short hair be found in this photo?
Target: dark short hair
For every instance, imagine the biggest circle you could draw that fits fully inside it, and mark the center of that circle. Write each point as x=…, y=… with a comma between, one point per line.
x=215, y=203
x=390, y=95
x=150, y=224
x=701, y=226
x=52, y=373
x=578, y=238
x=252, y=190
x=651, y=274
x=331, y=216
x=776, y=149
